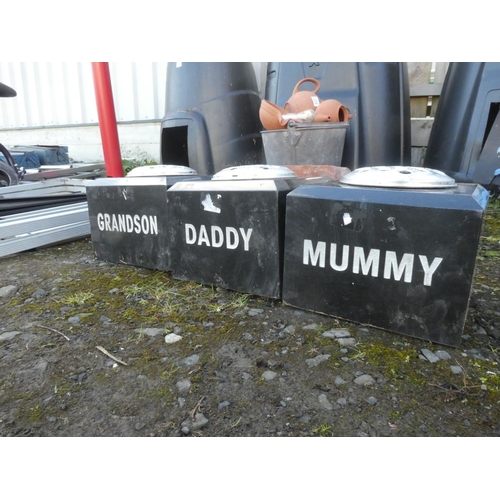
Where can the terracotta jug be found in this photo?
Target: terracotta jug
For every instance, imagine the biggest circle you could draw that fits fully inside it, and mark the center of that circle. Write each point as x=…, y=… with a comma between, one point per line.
x=332, y=111
x=304, y=99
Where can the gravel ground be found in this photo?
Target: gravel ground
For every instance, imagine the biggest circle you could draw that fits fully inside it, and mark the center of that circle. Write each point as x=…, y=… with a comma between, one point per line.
x=90, y=348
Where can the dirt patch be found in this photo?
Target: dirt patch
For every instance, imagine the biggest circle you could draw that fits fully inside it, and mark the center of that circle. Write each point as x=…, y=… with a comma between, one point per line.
x=90, y=348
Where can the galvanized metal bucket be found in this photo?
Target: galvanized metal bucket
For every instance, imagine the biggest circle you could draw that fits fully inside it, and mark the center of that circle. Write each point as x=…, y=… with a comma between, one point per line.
x=305, y=144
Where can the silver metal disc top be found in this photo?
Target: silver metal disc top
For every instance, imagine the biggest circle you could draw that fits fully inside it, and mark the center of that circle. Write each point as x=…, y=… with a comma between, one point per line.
x=155, y=170
x=398, y=177
x=255, y=172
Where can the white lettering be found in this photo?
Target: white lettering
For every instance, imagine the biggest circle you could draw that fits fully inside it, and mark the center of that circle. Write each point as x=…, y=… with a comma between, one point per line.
x=406, y=266
x=153, y=223
x=217, y=236
x=246, y=237
x=236, y=239
x=145, y=224
x=314, y=255
x=203, y=236
x=190, y=233
x=125, y=223
x=372, y=261
x=130, y=223
x=100, y=221
x=429, y=270
x=333, y=257
x=137, y=224
x=121, y=223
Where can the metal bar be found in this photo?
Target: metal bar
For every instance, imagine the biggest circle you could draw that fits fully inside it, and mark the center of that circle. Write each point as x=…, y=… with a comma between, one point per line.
x=56, y=235
x=49, y=210
x=107, y=119
x=43, y=188
x=50, y=172
x=47, y=192
x=40, y=220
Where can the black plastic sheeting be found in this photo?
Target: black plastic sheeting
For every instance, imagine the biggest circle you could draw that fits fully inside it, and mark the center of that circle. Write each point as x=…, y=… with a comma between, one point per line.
x=465, y=136
x=211, y=116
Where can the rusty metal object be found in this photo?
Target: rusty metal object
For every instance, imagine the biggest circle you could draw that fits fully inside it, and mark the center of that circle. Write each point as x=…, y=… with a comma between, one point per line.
x=308, y=171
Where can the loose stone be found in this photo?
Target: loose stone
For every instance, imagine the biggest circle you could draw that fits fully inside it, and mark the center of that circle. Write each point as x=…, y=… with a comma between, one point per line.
x=429, y=356
x=336, y=333
x=339, y=380
x=75, y=320
x=183, y=385
x=190, y=360
x=364, y=380
x=255, y=312
x=324, y=403
x=269, y=375
x=200, y=421
x=150, y=332
x=456, y=369
x=8, y=335
x=312, y=326
x=7, y=291
x=372, y=401
x=443, y=355
x=172, y=338
x=243, y=363
x=347, y=342
x=317, y=360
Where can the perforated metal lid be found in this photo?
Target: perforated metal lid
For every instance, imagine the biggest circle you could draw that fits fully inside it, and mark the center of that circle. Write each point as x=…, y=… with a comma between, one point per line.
x=155, y=170
x=255, y=172
x=398, y=177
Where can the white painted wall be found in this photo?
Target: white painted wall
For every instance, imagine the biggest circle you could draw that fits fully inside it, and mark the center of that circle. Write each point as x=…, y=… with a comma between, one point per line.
x=139, y=141
x=55, y=105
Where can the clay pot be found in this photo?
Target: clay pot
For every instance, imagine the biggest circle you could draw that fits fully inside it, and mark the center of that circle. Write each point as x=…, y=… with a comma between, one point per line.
x=304, y=99
x=332, y=111
x=271, y=116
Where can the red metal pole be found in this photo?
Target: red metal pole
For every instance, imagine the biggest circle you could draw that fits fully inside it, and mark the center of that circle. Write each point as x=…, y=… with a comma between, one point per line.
x=107, y=119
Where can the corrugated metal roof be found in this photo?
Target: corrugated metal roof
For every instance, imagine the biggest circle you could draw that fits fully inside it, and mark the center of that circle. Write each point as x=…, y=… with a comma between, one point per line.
x=62, y=93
